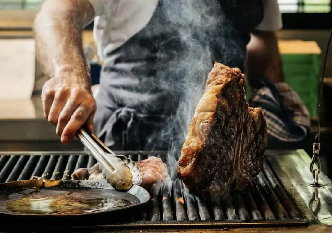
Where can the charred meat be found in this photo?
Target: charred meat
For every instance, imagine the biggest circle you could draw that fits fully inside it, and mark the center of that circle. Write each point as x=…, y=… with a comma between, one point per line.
x=225, y=146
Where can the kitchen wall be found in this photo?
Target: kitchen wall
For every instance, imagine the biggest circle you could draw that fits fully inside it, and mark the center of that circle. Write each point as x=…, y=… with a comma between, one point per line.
x=320, y=36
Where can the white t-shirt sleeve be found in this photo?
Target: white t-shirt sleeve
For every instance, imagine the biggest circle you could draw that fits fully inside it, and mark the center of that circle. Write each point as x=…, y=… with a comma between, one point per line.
x=272, y=20
x=117, y=21
x=98, y=6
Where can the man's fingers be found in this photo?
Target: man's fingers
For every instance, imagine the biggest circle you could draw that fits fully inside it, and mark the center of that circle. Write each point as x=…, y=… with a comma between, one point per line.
x=81, y=174
x=59, y=102
x=79, y=118
x=66, y=114
x=79, y=110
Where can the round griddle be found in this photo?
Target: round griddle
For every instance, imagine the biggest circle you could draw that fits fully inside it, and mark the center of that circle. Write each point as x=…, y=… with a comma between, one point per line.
x=36, y=202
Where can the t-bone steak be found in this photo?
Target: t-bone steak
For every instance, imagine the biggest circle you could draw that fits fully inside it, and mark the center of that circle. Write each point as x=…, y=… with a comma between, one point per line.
x=225, y=146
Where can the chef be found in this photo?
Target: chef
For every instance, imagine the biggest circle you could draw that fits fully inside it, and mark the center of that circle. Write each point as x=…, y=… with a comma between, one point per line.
x=156, y=57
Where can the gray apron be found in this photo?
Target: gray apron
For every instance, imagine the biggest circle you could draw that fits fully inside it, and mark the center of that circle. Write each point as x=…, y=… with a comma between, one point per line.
x=151, y=85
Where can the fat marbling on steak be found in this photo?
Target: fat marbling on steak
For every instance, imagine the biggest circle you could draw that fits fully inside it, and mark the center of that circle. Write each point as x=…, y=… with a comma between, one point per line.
x=225, y=146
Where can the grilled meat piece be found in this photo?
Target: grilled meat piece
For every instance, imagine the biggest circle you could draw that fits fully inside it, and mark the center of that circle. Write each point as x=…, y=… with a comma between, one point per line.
x=92, y=173
x=225, y=146
x=153, y=170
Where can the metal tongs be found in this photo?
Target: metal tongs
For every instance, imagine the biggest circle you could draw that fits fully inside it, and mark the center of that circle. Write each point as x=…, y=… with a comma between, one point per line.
x=315, y=165
x=121, y=172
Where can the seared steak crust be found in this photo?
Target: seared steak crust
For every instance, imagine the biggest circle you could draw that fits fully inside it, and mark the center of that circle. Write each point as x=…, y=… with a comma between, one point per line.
x=226, y=141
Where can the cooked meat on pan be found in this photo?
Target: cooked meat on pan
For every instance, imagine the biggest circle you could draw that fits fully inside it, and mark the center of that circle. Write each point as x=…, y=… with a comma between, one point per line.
x=153, y=170
x=225, y=146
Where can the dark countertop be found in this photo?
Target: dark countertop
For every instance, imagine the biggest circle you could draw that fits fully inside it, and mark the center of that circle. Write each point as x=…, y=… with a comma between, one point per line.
x=313, y=228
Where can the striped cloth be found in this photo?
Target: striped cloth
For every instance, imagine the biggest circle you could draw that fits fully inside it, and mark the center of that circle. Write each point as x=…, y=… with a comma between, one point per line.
x=287, y=118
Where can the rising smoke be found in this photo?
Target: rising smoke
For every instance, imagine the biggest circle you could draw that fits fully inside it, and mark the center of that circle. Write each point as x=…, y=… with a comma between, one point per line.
x=198, y=35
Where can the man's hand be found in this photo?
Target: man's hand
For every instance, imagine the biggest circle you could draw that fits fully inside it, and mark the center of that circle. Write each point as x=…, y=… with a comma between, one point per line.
x=68, y=105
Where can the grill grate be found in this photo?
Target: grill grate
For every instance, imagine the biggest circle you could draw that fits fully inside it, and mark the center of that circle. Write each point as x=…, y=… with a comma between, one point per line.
x=266, y=203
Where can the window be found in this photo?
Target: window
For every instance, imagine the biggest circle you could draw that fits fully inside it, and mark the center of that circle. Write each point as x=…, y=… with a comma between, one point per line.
x=306, y=14
x=20, y=4
x=305, y=6
x=297, y=14
x=286, y=6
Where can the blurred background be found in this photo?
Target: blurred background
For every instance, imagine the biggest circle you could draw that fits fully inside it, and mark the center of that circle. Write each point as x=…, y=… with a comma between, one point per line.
x=302, y=42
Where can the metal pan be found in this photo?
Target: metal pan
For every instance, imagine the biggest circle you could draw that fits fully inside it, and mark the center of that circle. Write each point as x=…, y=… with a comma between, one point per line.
x=38, y=202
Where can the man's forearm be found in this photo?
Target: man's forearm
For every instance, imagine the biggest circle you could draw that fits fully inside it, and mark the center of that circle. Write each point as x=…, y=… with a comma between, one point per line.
x=58, y=28
x=263, y=58
x=67, y=100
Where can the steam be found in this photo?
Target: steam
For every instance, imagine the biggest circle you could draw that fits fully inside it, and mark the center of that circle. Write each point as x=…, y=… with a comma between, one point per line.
x=203, y=36
x=188, y=37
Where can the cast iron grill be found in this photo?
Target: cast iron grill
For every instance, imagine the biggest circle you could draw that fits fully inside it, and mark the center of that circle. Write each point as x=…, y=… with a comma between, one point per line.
x=266, y=203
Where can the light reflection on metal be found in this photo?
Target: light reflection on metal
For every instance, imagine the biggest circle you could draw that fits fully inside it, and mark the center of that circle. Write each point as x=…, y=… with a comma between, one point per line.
x=315, y=165
x=314, y=203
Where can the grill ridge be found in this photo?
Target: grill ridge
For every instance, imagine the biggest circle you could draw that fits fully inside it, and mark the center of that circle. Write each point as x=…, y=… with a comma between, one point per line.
x=267, y=201
x=29, y=167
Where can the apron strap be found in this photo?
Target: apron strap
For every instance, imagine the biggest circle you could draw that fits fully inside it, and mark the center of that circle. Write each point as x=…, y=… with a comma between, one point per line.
x=120, y=129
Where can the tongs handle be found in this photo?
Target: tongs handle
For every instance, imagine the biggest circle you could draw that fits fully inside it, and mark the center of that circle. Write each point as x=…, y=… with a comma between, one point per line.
x=95, y=146
x=93, y=140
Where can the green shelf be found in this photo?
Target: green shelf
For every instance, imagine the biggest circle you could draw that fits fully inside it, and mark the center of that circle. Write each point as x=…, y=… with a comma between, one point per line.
x=301, y=72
